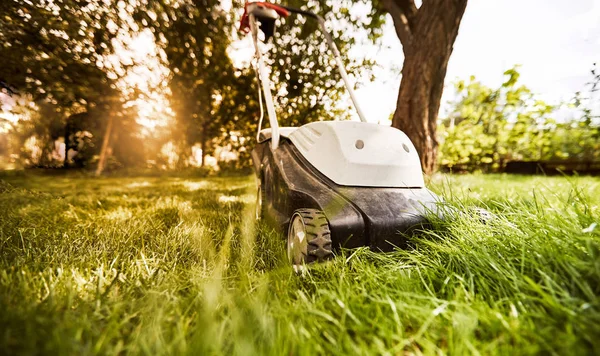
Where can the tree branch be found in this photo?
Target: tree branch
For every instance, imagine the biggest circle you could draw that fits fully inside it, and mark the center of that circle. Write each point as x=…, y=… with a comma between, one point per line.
x=410, y=10
x=403, y=14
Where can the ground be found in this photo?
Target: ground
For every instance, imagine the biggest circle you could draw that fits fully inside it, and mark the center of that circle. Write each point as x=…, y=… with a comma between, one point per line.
x=170, y=265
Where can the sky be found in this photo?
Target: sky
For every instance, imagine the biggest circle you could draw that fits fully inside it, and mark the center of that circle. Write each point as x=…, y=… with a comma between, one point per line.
x=555, y=42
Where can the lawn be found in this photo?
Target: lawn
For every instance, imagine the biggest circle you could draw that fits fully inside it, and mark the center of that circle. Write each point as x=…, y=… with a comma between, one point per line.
x=177, y=265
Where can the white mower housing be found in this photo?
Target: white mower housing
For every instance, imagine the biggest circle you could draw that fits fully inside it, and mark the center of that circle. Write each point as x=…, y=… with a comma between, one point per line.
x=360, y=154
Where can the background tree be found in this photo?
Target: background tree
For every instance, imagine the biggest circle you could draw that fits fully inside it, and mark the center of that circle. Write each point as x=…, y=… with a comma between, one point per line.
x=307, y=85
x=427, y=34
x=58, y=54
x=195, y=35
x=215, y=102
x=488, y=127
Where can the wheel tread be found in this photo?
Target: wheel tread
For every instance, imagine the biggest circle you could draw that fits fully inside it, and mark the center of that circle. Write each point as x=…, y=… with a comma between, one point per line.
x=319, y=247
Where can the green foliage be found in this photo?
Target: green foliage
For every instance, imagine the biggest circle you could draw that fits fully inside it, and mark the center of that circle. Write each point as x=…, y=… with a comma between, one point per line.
x=195, y=36
x=61, y=54
x=307, y=83
x=55, y=49
x=177, y=266
x=57, y=54
x=217, y=104
x=489, y=127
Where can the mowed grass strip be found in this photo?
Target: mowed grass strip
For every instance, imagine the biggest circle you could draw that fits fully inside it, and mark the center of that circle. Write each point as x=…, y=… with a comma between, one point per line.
x=178, y=266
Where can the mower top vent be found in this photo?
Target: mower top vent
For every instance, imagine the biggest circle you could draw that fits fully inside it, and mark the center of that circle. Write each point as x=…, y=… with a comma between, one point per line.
x=360, y=154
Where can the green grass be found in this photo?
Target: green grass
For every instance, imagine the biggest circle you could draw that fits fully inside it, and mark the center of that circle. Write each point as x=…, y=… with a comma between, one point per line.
x=177, y=265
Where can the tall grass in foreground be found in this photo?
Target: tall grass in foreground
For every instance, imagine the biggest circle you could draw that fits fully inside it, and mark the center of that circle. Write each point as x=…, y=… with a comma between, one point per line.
x=171, y=266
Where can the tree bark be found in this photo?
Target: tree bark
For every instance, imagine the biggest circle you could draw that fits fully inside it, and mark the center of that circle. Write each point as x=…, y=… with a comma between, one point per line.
x=427, y=35
x=67, y=134
x=104, y=149
x=202, y=148
x=203, y=144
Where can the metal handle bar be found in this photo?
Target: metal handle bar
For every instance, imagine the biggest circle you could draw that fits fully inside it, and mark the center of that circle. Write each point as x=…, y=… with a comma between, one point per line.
x=266, y=84
x=336, y=54
x=251, y=23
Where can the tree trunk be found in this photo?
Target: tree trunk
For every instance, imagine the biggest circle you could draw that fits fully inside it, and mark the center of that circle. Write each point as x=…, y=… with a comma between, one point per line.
x=427, y=35
x=104, y=149
x=67, y=134
x=202, y=148
x=203, y=143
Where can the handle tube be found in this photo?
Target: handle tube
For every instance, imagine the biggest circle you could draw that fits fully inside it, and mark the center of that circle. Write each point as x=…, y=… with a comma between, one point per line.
x=336, y=54
x=266, y=85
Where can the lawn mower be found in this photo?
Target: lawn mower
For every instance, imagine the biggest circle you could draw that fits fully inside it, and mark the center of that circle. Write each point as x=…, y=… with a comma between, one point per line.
x=332, y=184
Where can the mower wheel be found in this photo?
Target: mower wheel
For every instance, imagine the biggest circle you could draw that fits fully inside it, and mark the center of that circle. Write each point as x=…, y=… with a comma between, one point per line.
x=309, y=238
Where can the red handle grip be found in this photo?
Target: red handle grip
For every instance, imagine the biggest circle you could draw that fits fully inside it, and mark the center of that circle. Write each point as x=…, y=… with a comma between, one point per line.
x=245, y=22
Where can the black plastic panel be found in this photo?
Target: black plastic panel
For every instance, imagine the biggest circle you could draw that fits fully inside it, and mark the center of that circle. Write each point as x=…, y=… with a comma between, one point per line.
x=358, y=216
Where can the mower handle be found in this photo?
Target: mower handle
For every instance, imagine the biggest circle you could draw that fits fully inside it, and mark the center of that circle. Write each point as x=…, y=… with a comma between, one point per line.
x=336, y=54
x=267, y=13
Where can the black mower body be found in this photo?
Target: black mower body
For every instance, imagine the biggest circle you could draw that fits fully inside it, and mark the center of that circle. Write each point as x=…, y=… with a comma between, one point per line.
x=378, y=217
